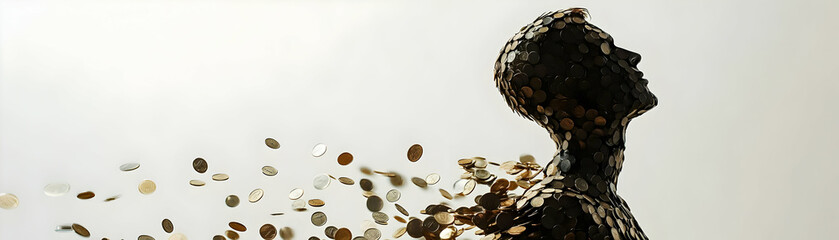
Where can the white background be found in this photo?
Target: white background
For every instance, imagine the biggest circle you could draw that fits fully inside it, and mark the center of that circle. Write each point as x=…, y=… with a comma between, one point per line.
x=741, y=146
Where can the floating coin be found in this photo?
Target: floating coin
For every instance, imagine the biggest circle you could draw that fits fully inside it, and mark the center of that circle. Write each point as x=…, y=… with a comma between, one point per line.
x=446, y=194
x=415, y=228
x=178, y=236
x=64, y=228
x=393, y=195
x=316, y=203
x=295, y=194
x=401, y=209
x=167, y=225
x=345, y=158
x=298, y=205
x=272, y=143
x=318, y=218
x=321, y=181
x=220, y=177
x=196, y=183
x=374, y=203
x=469, y=187
x=400, y=219
x=314, y=238
x=269, y=171
x=129, y=167
x=399, y=232
x=277, y=214
x=56, y=189
x=444, y=218
x=414, y=153
x=286, y=233
x=432, y=179
x=256, y=195
x=366, y=184
x=219, y=237
x=145, y=237
x=231, y=234
x=346, y=180
x=80, y=230
x=111, y=198
x=372, y=234
x=366, y=170
x=319, y=150
x=8, y=201
x=200, y=165
x=419, y=182
x=343, y=234
x=237, y=226
x=330, y=231
x=147, y=187
x=86, y=195
x=268, y=231
x=232, y=201
x=380, y=217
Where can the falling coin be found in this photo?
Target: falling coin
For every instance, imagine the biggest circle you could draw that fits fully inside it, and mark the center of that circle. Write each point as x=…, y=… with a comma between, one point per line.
x=415, y=228
x=419, y=182
x=399, y=232
x=231, y=234
x=196, y=183
x=380, y=217
x=86, y=195
x=401, y=209
x=393, y=195
x=299, y=205
x=268, y=231
x=277, y=214
x=345, y=158
x=445, y=194
x=220, y=177
x=269, y=171
x=129, y=167
x=469, y=187
x=8, y=201
x=81, y=231
x=374, y=203
x=346, y=180
x=178, y=236
x=56, y=189
x=232, y=201
x=64, y=228
x=372, y=234
x=321, y=181
x=237, y=226
x=318, y=218
x=432, y=179
x=400, y=219
x=330, y=231
x=200, y=165
x=256, y=195
x=414, y=153
x=272, y=143
x=366, y=184
x=444, y=218
x=316, y=203
x=343, y=234
x=219, y=237
x=295, y=194
x=167, y=225
x=286, y=233
x=147, y=187
x=111, y=198
x=319, y=150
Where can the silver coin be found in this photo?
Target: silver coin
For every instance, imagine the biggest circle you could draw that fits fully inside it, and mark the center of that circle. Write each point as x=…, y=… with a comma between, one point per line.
x=321, y=181
x=129, y=167
x=295, y=194
x=319, y=150
x=372, y=234
x=432, y=179
x=56, y=189
x=393, y=195
x=298, y=204
x=318, y=218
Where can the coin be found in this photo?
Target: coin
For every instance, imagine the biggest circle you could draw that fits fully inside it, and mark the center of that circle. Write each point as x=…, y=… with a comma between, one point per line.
x=272, y=143
x=63, y=228
x=400, y=219
x=268, y=231
x=8, y=201
x=414, y=153
x=444, y=218
x=237, y=226
x=196, y=183
x=399, y=232
x=319, y=150
x=231, y=234
x=232, y=201
x=366, y=184
x=343, y=234
x=316, y=203
x=380, y=217
x=318, y=218
x=277, y=214
x=346, y=180
x=147, y=187
x=86, y=195
x=298, y=205
x=80, y=230
x=330, y=231
x=314, y=238
x=167, y=225
x=419, y=182
x=111, y=198
x=269, y=171
x=432, y=179
x=345, y=158
x=178, y=236
x=321, y=181
x=393, y=195
x=200, y=165
x=295, y=194
x=219, y=237
x=56, y=189
x=256, y=195
x=415, y=228
x=220, y=177
x=372, y=234
x=286, y=233
x=469, y=187
x=445, y=194
x=374, y=203
x=401, y=209
x=129, y=167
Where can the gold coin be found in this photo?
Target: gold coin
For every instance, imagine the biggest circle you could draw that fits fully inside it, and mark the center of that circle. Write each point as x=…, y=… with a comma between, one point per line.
x=220, y=177
x=345, y=158
x=8, y=201
x=147, y=187
x=393, y=195
x=269, y=171
x=81, y=231
x=237, y=226
x=272, y=143
x=145, y=237
x=399, y=219
x=167, y=226
x=444, y=218
x=399, y=232
x=419, y=182
x=401, y=209
x=445, y=194
x=343, y=234
x=286, y=233
x=346, y=180
x=231, y=234
x=200, y=165
x=414, y=153
x=256, y=195
x=232, y=201
x=196, y=183
x=316, y=203
x=318, y=219
x=295, y=194
x=432, y=179
x=86, y=195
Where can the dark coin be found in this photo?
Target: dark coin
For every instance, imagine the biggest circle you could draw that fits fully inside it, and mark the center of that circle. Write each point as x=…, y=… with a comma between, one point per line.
x=147, y=237
x=237, y=226
x=430, y=224
x=268, y=231
x=401, y=209
x=343, y=234
x=581, y=184
x=414, y=152
x=330, y=231
x=374, y=203
x=86, y=195
x=200, y=165
x=415, y=228
x=81, y=231
x=231, y=234
x=419, y=182
x=318, y=219
x=345, y=158
x=167, y=226
x=366, y=184
x=219, y=237
x=286, y=233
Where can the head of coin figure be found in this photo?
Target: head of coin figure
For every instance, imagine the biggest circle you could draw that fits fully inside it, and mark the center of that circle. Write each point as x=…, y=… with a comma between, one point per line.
x=568, y=76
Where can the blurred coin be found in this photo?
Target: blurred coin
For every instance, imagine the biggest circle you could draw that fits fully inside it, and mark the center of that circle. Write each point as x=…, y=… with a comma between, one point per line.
x=286, y=233
x=8, y=201
x=366, y=184
x=200, y=165
x=196, y=183
x=86, y=195
x=295, y=194
x=231, y=201
x=316, y=203
x=419, y=182
x=111, y=198
x=432, y=179
x=401, y=209
x=321, y=181
x=269, y=171
x=147, y=187
x=319, y=150
x=56, y=189
x=167, y=225
x=129, y=167
x=318, y=218
x=399, y=219
x=64, y=228
x=237, y=226
x=374, y=203
x=399, y=232
x=268, y=231
x=343, y=234
x=330, y=231
x=220, y=177
x=372, y=234
x=178, y=236
x=445, y=194
x=393, y=195
x=345, y=158
x=346, y=180
x=271, y=143
x=80, y=230
x=298, y=205
x=414, y=153
x=256, y=195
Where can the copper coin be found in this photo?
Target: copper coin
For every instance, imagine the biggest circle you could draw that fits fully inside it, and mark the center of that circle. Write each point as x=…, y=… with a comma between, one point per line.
x=343, y=234
x=268, y=231
x=237, y=226
x=111, y=198
x=414, y=153
x=271, y=143
x=200, y=165
x=81, y=231
x=231, y=234
x=286, y=233
x=316, y=203
x=86, y=195
x=345, y=158
x=167, y=225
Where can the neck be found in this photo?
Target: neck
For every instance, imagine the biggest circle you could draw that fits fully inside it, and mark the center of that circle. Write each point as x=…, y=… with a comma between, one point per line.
x=596, y=157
